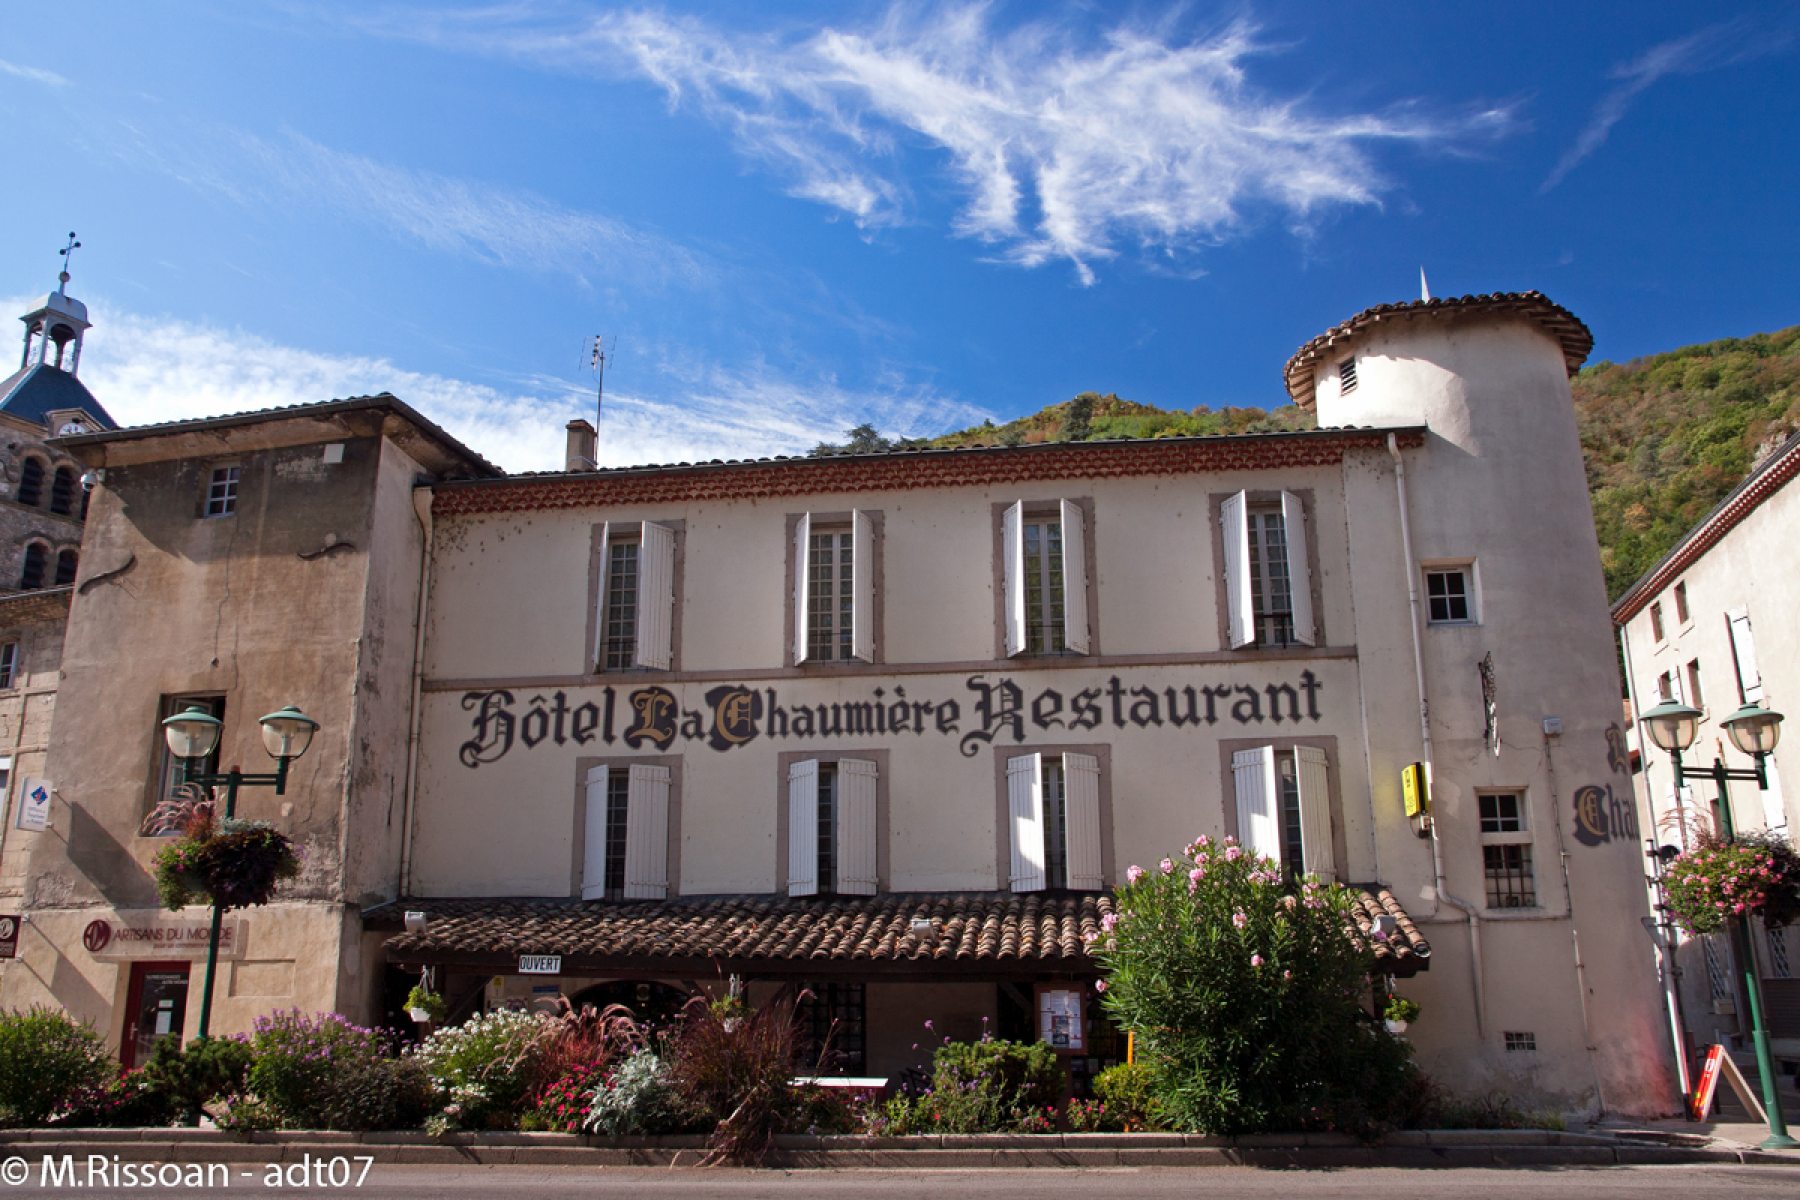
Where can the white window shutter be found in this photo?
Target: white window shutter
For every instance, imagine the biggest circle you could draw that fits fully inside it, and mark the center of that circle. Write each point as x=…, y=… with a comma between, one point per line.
x=1025, y=803
x=1234, y=532
x=858, y=847
x=1315, y=812
x=647, y=833
x=1743, y=650
x=803, y=828
x=802, y=570
x=1258, y=803
x=862, y=576
x=1074, y=568
x=1774, y=803
x=655, y=596
x=1293, y=524
x=1677, y=685
x=593, y=863
x=1012, y=549
x=1081, y=801
x=599, y=659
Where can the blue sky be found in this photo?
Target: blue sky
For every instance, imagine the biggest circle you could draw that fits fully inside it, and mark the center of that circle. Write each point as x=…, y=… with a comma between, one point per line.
x=790, y=218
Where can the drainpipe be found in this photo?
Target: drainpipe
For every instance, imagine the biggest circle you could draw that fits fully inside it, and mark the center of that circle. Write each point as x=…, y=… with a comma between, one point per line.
x=421, y=499
x=1440, y=892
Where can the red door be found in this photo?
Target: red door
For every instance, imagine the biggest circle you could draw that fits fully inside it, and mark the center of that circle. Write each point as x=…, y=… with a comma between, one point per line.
x=155, y=1006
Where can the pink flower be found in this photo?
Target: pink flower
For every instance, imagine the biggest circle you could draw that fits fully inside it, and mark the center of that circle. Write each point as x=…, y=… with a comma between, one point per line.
x=1256, y=960
x=1196, y=875
x=1287, y=974
x=1099, y=985
x=1239, y=920
x=1230, y=841
x=1133, y=873
x=1109, y=921
x=1203, y=841
x=1232, y=854
x=1167, y=865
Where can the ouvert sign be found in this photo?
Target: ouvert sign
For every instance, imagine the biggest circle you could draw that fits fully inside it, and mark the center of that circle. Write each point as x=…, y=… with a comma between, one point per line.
x=994, y=709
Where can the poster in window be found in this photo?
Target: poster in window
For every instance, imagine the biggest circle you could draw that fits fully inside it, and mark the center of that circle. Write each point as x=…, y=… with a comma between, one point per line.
x=1060, y=1019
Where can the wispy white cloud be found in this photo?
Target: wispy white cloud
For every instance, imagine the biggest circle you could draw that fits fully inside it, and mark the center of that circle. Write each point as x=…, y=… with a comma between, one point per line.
x=1715, y=46
x=487, y=222
x=34, y=74
x=148, y=369
x=1062, y=146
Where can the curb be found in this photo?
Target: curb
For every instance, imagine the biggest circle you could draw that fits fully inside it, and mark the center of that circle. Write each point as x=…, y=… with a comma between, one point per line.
x=1409, y=1149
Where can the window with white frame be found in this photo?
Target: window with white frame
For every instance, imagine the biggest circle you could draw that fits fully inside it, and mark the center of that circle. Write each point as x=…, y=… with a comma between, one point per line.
x=222, y=490
x=1450, y=595
x=1053, y=805
x=834, y=588
x=635, y=609
x=626, y=844
x=832, y=827
x=1743, y=653
x=1506, y=850
x=9, y=664
x=1044, y=552
x=1268, y=585
x=1284, y=807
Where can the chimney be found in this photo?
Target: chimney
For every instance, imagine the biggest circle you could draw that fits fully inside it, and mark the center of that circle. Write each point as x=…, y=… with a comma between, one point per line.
x=582, y=447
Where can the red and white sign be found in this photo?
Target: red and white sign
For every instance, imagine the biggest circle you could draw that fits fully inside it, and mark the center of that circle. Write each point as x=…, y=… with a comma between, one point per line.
x=1708, y=1086
x=124, y=939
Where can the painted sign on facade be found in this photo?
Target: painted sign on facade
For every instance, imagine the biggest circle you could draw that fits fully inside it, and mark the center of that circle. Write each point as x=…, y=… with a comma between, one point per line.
x=34, y=804
x=1601, y=816
x=993, y=709
x=127, y=938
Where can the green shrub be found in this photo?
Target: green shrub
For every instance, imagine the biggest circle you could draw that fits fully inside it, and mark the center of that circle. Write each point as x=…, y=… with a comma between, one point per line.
x=638, y=1096
x=325, y=1073
x=1128, y=1091
x=985, y=1086
x=47, y=1060
x=188, y=1077
x=486, y=1070
x=1245, y=997
x=121, y=1101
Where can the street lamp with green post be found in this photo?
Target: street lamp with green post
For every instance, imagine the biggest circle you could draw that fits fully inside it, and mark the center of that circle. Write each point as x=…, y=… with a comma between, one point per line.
x=192, y=735
x=1754, y=730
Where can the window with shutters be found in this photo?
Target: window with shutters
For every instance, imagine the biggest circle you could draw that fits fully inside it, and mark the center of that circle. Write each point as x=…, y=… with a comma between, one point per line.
x=1045, y=565
x=1346, y=376
x=1284, y=807
x=62, y=491
x=1695, y=696
x=68, y=564
x=834, y=598
x=31, y=574
x=831, y=823
x=626, y=829
x=1743, y=653
x=1056, y=813
x=31, y=482
x=634, y=589
x=1267, y=570
x=1506, y=850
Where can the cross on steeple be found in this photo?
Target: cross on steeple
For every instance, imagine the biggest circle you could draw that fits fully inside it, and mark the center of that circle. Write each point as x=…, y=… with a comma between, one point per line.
x=67, y=253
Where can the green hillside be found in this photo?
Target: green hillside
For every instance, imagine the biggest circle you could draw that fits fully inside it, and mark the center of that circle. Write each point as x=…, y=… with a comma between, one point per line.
x=1665, y=437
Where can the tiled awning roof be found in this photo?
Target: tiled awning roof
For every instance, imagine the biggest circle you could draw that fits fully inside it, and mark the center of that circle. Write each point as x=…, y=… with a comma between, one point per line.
x=971, y=933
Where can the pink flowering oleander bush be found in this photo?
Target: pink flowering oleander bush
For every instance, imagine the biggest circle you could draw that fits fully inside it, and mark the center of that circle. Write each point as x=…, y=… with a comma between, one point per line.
x=1757, y=875
x=1244, y=992
x=322, y=1072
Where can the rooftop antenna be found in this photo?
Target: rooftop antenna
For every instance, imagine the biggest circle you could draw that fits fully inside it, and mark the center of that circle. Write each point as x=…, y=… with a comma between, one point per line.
x=597, y=364
x=67, y=254
x=1424, y=288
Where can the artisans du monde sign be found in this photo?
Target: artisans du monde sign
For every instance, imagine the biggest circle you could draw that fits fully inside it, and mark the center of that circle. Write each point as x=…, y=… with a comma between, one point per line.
x=990, y=709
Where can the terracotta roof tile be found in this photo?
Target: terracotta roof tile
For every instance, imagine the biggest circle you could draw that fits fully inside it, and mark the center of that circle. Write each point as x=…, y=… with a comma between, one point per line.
x=969, y=929
x=1568, y=329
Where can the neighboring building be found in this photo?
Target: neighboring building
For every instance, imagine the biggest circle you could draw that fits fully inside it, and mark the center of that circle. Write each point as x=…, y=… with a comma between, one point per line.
x=241, y=563
x=1712, y=625
x=888, y=725
x=42, y=507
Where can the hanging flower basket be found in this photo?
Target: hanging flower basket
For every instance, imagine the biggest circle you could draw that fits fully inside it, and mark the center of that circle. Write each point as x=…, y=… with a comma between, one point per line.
x=232, y=863
x=1757, y=875
x=1399, y=1013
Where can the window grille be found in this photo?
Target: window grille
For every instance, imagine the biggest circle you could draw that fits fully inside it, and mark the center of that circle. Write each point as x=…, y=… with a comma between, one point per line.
x=222, y=491
x=1347, y=376
x=831, y=595
x=1044, y=631
x=621, y=604
x=1520, y=1042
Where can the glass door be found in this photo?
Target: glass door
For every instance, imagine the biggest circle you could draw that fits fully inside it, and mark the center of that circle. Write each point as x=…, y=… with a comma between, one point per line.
x=155, y=1007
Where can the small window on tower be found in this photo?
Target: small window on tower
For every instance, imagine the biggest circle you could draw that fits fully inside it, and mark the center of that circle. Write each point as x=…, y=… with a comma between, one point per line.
x=1347, y=376
x=222, y=491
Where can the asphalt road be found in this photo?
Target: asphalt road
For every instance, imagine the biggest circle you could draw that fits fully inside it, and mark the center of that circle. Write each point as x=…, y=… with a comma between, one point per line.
x=1125, y=1183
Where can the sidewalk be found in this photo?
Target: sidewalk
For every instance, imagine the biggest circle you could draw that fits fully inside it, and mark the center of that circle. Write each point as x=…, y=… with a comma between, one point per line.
x=1678, y=1143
